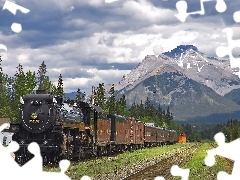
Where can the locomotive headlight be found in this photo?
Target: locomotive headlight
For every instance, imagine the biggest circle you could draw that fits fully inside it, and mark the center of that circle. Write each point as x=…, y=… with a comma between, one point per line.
x=34, y=115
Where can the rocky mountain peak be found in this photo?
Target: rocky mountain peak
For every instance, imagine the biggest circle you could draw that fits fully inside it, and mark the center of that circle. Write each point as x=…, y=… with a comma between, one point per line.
x=187, y=59
x=179, y=50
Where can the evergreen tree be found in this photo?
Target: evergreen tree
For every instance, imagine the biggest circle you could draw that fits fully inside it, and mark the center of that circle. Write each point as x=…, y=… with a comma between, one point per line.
x=160, y=115
x=24, y=84
x=78, y=95
x=84, y=97
x=93, y=96
x=147, y=107
x=43, y=80
x=5, y=109
x=100, y=96
x=168, y=116
x=141, y=110
x=110, y=105
x=123, y=101
x=42, y=76
x=121, y=106
x=54, y=90
x=60, y=90
x=133, y=110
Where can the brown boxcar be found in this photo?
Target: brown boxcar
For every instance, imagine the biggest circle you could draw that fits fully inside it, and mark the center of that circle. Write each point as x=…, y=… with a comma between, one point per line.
x=173, y=136
x=150, y=134
x=160, y=135
x=139, y=133
x=166, y=136
x=103, y=132
x=130, y=128
x=134, y=132
x=118, y=129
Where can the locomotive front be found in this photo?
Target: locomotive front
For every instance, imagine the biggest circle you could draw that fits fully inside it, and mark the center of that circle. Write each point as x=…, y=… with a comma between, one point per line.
x=38, y=112
x=40, y=121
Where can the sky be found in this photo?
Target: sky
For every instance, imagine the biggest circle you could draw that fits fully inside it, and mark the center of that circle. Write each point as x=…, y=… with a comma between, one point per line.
x=91, y=41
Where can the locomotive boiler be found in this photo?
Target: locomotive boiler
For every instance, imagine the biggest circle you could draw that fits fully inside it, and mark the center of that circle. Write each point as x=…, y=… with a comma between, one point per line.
x=40, y=121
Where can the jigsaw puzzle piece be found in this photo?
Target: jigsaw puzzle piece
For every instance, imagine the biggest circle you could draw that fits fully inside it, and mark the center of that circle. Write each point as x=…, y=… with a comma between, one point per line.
x=64, y=165
x=159, y=178
x=31, y=170
x=223, y=176
x=182, y=6
x=221, y=6
x=7, y=162
x=12, y=7
x=35, y=164
x=40, y=174
x=222, y=51
x=227, y=150
x=236, y=16
x=2, y=46
x=176, y=171
x=210, y=159
x=4, y=126
x=85, y=178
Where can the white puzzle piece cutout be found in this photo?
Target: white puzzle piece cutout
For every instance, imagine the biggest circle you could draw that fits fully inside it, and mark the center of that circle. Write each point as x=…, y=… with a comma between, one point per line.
x=33, y=168
x=176, y=171
x=182, y=6
x=222, y=51
x=228, y=150
x=12, y=7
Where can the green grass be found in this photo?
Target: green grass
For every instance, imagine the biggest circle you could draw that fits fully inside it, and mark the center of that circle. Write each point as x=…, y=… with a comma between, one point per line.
x=198, y=169
x=106, y=165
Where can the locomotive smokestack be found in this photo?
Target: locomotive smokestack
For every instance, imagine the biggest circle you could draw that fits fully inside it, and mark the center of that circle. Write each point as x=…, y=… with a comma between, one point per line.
x=40, y=91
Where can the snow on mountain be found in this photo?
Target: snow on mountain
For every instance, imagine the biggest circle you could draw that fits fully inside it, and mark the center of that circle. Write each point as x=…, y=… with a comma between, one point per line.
x=209, y=71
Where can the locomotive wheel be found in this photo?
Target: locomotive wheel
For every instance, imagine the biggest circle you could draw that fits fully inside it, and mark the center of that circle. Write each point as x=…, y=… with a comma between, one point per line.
x=53, y=159
x=20, y=159
x=45, y=160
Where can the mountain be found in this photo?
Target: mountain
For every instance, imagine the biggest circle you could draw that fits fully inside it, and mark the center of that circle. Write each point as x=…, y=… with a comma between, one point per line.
x=214, y=73
x=71, y=95
x=234, y=95
x=190, y=82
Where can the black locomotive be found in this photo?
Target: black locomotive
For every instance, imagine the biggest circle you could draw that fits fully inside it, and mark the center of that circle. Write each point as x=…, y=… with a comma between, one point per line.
x=40, y=121
x=43, y=120
x=75, y=130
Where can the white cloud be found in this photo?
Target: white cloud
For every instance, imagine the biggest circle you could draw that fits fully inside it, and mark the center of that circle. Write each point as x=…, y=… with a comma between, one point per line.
x=145, y=11
x=92, y=37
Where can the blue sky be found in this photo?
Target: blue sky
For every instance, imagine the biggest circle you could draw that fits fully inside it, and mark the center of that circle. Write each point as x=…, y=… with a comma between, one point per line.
x=90, y=41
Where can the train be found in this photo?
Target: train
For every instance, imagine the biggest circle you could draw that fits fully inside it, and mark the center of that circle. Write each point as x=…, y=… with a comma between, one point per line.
x=182, y=138
x=76, y=130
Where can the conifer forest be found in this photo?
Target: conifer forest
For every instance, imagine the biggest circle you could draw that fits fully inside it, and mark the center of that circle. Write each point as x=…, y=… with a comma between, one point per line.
x=12, y=88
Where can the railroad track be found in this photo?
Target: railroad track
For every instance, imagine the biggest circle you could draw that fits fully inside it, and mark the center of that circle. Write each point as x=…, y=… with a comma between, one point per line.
x=163, y=167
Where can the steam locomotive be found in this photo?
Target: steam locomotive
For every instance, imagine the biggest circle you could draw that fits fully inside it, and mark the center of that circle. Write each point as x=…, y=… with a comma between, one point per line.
x=76, y=130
